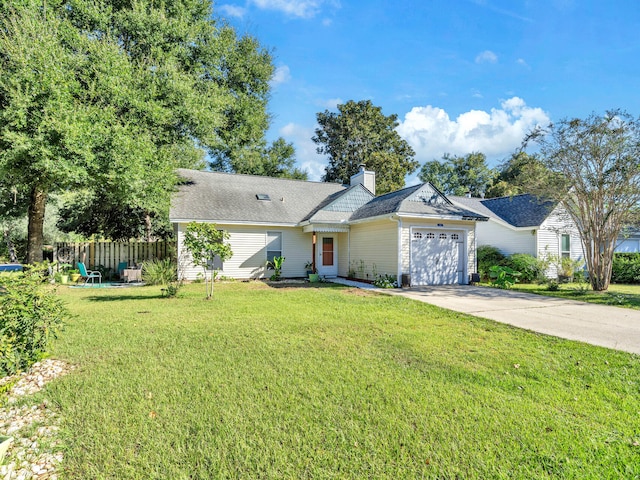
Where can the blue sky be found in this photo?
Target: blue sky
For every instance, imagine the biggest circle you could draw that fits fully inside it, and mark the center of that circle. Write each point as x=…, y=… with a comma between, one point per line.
x=462, y=75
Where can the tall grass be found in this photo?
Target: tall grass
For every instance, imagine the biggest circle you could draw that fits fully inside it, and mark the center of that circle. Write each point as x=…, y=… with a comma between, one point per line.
x=329, y=382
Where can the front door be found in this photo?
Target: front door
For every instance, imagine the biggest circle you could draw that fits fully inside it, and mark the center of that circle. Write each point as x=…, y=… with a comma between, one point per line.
x=327, y=251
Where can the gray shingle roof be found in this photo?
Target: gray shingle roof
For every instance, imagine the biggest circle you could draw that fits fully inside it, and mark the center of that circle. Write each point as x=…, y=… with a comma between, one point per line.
x=421, y=199
x=220, y=197
x=524, y=210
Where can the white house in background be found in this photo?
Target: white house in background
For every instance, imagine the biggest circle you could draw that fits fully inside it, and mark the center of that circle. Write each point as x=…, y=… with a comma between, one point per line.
x=415, y=234
x=524, y=224
x=628, y=242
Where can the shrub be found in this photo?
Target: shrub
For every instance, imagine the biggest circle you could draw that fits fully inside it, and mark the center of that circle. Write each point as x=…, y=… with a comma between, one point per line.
x=385, y=281
x=626, y=268
x=30, y=316
x=488, y=256
x=503, y=276
x=159, y=272
x=530, y=268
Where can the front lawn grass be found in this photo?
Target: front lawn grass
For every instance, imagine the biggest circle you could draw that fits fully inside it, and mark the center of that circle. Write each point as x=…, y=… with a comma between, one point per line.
x=619, y=295
x=332, y=382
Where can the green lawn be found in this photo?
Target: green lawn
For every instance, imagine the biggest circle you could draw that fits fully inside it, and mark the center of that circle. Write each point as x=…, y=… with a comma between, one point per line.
x=331, y=382
x=627, y=296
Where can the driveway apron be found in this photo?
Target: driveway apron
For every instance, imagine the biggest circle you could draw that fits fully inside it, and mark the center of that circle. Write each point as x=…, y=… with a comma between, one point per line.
x=611, y=327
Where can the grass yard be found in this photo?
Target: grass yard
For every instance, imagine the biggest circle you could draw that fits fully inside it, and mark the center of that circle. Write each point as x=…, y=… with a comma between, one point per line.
x=619, y=295
x=332, y=382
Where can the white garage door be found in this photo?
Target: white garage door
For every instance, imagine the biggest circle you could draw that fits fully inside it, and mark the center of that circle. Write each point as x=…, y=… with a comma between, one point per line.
x=436, y=257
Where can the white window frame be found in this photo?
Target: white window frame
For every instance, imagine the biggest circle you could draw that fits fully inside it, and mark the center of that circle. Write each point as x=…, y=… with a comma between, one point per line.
x=272, y=252
x=565, y=253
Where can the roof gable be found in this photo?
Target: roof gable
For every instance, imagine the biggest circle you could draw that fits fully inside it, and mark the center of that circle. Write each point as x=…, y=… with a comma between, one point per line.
x=422, y=200
x=340, y=206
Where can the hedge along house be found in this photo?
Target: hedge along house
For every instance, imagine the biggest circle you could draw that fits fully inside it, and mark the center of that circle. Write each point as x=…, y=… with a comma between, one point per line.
x=415, y=234
x=525, y=224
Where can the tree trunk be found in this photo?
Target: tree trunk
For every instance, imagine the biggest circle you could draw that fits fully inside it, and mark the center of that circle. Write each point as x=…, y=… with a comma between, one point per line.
x=35, y=236
x=147, y=226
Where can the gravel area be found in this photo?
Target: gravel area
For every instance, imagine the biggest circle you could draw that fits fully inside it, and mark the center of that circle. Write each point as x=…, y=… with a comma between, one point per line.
x=32, y=455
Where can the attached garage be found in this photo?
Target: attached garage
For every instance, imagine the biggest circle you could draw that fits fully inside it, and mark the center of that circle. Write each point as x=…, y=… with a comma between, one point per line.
x=438, y=257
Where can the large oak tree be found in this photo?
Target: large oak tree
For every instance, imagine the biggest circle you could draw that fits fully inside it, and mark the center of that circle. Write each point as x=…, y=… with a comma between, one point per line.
x=112, y=96
x=359, y=133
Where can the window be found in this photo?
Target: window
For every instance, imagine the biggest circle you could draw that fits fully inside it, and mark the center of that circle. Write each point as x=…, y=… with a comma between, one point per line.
x=565, y=245
x=417, y=235
x=454, y=236
x=274, y=245
x=443, y=236
x=263, y=196
x=431, y=235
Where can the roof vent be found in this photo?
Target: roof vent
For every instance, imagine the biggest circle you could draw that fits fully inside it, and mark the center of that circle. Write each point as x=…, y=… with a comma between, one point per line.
x=263, y=196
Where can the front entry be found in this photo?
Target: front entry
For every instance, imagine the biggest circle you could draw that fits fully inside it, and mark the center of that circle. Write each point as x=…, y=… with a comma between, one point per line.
x=327, y=255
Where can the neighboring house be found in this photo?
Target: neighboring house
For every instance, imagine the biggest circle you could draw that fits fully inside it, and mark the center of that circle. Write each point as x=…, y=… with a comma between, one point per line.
x=628, y=241
x=415, y=234
x=525, y=224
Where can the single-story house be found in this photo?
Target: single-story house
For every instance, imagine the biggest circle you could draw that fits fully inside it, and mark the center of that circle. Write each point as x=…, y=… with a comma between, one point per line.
x=525, y=224
x=415, y=234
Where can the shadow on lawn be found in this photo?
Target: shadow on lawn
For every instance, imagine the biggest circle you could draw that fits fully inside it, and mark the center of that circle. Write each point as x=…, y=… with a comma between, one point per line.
x=120, y=298
x=301, y=284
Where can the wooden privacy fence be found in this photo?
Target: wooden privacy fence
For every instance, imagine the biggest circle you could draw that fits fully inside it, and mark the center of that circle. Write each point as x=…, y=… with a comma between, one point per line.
x=110, y=254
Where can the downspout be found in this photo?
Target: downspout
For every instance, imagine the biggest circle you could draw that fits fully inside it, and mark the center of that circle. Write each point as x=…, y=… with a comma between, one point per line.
x=399, y=261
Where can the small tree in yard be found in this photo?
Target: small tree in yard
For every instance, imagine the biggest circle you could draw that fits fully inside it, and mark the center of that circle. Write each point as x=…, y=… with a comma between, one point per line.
x=205, y=242
x=598, y=160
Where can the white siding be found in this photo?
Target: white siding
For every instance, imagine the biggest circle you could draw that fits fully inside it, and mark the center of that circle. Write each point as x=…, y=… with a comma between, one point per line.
x=250, y=255
x=343, y=254
x=505, y=239
x=373, y=248
x=549, y=237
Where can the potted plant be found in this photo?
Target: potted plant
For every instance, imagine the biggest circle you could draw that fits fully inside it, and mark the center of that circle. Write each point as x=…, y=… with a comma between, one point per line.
x=63, y=276
x=74, y=274
x=309, y=267
x=566, y=268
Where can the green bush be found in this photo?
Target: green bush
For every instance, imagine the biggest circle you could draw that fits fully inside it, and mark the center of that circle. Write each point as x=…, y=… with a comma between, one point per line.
x=30, y=316
x=159, y=272
x=626, y=268
x=531, y=269
x=488, y=257
x=385, y=281
x=503, y=277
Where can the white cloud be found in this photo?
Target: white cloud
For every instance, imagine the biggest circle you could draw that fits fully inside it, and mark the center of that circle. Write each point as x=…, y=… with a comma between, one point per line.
x=306, y=156
x=497, y=133
x=281, y=75
x=521, y=62
x=486, y=57
x=332, y=103
x=295, y=8
x=233, y=10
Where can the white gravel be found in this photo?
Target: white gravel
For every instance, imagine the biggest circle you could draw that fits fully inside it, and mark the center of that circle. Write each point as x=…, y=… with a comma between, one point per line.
x=33, y=453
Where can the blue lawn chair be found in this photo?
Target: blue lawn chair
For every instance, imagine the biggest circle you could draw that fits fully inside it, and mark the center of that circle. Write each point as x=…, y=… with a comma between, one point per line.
x=89, y=274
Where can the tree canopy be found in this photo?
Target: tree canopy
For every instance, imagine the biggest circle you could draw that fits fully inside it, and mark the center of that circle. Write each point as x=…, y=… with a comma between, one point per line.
x=597, y=159
x=116, y=95
x=359, y=133
x=275, y=160
x=456, y=175
x=521, y=173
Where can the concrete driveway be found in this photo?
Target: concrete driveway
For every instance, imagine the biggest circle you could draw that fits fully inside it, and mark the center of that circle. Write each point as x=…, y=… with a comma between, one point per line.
x=612, y=327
